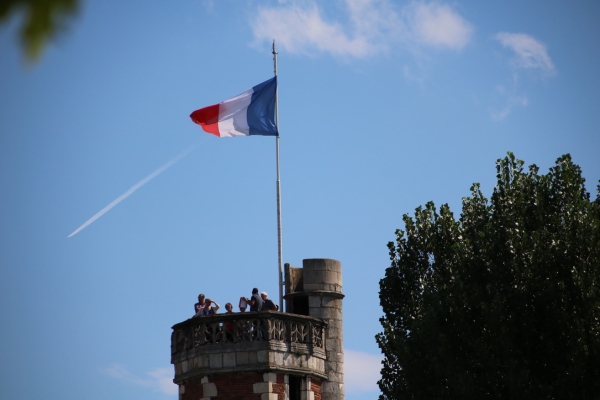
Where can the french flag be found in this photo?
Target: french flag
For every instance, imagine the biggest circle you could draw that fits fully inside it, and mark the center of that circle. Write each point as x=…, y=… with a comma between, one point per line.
x=249, y=113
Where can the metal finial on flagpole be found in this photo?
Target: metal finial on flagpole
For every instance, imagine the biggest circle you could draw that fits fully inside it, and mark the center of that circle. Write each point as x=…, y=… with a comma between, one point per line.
x=280, y=269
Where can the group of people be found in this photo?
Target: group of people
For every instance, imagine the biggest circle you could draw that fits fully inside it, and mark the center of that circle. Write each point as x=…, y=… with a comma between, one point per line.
x=257, y=302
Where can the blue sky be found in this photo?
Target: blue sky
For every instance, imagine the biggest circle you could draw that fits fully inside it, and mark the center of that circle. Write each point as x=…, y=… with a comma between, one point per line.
x=384, y=105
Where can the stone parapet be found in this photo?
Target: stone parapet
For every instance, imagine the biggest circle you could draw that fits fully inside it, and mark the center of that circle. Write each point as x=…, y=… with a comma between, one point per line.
x=245, y=342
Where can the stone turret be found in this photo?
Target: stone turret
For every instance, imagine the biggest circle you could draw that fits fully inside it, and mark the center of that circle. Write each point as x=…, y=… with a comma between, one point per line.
x=316, y=290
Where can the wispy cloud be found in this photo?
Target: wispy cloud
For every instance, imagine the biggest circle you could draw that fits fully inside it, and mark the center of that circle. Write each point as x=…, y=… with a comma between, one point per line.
x=362, y=28
x=132, y=189
x=512, y=101
x=159, y=379
x=361, y=371
x=529, y=52
x=162, y=379
x=300, y=27
x=437, y=25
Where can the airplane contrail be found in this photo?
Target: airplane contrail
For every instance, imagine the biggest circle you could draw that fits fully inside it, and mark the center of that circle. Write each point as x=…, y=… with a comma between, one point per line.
x=133, y=189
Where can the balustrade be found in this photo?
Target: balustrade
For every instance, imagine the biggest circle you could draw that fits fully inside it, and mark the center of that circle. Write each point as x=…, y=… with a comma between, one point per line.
x=229, y=329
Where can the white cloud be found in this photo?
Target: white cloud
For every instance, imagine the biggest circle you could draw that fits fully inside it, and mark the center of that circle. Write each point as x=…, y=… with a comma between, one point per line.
x=372, y=27
x=163, y=380
x=438, y=25
x=361, y=371
x=160, y=379
x=529, y=52
x=302, y=29
x=511, y=103
x=511, y=98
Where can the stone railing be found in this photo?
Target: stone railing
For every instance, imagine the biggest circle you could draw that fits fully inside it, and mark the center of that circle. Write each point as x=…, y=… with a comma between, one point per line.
x=224, y=329
x=252, y=341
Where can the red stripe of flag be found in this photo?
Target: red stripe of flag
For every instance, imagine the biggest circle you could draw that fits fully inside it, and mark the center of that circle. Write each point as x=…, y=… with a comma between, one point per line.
x=207, y=118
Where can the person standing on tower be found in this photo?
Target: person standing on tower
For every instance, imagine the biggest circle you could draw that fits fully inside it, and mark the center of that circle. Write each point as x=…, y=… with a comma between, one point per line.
x=255, y=301
x=208, y=309
x=200, y=304
x=268, y=303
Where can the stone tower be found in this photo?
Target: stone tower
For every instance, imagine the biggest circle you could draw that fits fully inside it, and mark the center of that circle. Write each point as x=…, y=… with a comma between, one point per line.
x=268, y=355
x=316, y=290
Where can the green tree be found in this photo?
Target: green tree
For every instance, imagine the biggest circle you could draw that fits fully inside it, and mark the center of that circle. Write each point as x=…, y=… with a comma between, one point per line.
x=503, y=303
x=41, y=21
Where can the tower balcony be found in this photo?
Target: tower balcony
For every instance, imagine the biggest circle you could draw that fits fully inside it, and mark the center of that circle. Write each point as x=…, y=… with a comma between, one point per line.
x=248, y=342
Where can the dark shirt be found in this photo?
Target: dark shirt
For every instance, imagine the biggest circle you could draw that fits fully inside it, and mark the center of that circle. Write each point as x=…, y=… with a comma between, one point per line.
x=269, y=305
x=258, y=303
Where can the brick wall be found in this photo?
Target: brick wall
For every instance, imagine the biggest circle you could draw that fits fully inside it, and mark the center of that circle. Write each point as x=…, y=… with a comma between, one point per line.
x=239, y=386
x=279, y=387
x=315, y=386
x=193, y=390
x=228, y=387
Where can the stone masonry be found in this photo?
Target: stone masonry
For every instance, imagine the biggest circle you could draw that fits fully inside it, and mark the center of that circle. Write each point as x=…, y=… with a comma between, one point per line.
x=268, y=355
x=323, y=285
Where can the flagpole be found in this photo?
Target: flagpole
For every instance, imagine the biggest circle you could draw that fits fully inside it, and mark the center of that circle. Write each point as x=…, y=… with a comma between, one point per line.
x=280, y=268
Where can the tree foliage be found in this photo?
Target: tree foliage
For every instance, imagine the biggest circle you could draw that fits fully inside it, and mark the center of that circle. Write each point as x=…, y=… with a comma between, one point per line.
x=41, y=20
x=503, y=303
